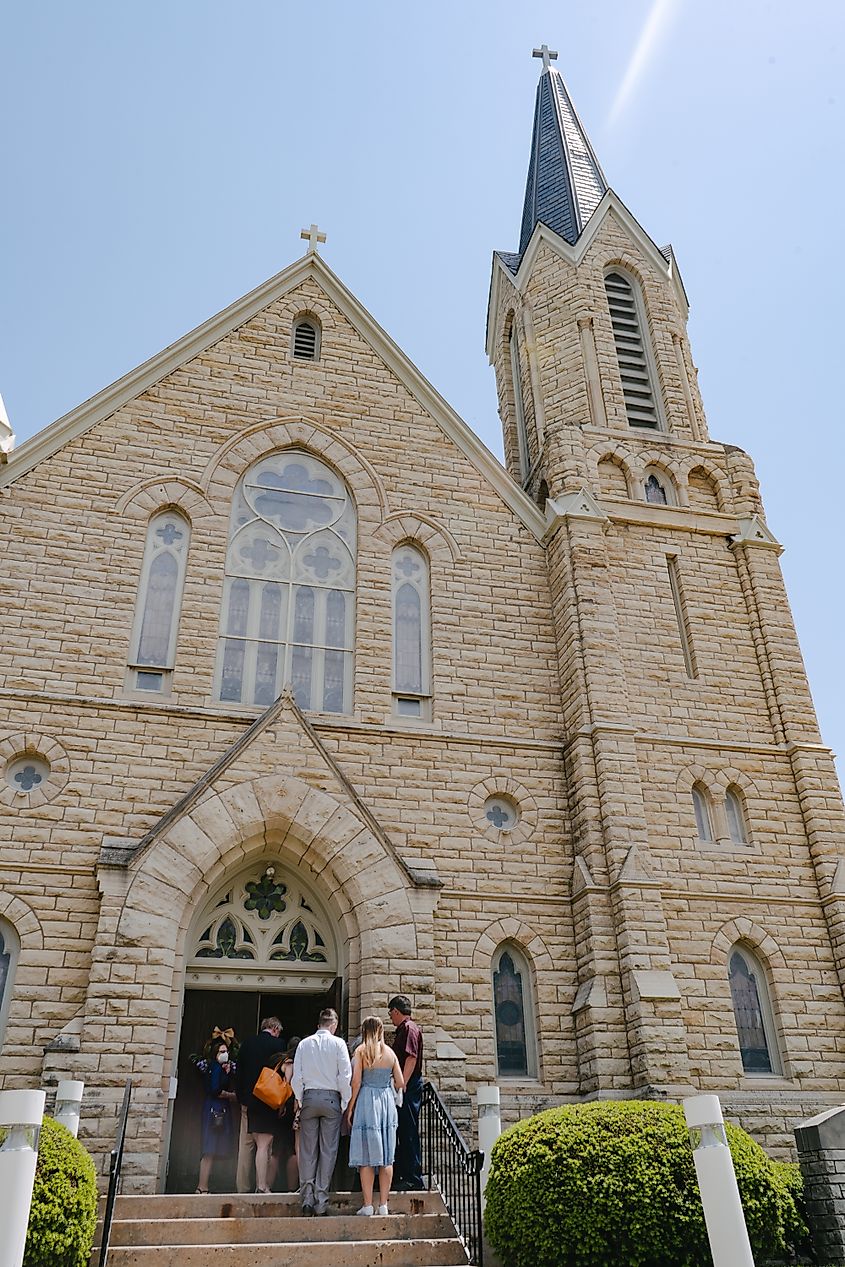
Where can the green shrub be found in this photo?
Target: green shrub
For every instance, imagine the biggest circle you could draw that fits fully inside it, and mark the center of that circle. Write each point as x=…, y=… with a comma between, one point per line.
x=63, y=1214
x=612, y=1184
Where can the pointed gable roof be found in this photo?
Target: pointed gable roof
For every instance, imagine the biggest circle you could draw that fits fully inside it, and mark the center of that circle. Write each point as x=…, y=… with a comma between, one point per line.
x=565, y=182
x=310, y=266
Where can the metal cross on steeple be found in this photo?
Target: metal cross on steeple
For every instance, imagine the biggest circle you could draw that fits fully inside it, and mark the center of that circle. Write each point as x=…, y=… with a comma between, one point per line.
x=547, y=54
x=313, y=236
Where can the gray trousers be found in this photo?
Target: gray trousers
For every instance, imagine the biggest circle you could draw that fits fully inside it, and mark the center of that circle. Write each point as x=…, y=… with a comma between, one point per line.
x=319, y=1136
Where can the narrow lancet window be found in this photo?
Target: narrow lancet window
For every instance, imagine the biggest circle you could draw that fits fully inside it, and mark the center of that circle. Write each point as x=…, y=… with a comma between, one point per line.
x=518, y=402
x=513, y=1015
x=411, y=633
x=632, y=352
x=753, y=1013
x=9, y=947
x=153, y=650
x=735, y=812
x=289, y=595
x=703, y=816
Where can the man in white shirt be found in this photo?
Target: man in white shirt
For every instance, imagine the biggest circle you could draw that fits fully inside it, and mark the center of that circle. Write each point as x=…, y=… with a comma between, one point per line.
x=321, y=1083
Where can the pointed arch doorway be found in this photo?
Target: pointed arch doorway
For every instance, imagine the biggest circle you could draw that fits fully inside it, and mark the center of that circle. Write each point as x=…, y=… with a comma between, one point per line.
x=263, y=945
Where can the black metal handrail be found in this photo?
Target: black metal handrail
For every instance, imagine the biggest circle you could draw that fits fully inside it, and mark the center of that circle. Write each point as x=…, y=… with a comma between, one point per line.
x=115, y=1164
x=453, y=1169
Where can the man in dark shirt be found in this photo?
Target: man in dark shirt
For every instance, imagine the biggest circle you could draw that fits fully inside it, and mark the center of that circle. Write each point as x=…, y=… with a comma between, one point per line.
x=258, y=1122
x=408, y=1045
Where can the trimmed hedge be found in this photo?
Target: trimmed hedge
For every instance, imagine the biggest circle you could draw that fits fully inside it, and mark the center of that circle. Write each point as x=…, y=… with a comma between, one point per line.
x=613, y=1182
x=63, y=1214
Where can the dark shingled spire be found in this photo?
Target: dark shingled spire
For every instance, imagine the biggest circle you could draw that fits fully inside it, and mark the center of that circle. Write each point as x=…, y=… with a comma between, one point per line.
x=565, y=182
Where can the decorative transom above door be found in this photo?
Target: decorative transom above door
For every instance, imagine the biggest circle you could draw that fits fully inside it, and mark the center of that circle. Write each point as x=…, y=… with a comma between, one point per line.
x=263, y=931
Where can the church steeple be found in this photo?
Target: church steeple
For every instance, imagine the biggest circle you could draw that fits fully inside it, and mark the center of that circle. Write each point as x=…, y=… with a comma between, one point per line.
x=565, y=182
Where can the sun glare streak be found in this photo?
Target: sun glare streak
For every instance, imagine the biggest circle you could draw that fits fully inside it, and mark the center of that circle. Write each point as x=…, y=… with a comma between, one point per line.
x=655, y=27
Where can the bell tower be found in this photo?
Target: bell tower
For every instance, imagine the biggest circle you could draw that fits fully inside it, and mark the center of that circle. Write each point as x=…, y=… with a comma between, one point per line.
x=684, y=702
x=587, y=319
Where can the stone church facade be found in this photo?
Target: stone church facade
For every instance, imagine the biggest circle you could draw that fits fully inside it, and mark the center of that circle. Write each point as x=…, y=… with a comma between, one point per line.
x=305, y=697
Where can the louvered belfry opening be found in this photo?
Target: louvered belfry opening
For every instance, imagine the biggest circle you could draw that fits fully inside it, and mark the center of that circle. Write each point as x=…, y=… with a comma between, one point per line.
x=305, y=341
x=640, y=404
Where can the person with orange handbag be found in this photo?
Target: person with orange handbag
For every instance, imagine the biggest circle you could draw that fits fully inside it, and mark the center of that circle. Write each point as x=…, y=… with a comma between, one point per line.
x=258, y=1052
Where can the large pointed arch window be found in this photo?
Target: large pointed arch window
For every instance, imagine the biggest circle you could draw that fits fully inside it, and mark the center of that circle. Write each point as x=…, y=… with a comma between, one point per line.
x=513, y=1014
x=411, y=633
x=153, y=650
x=753, y=1013
x=289, y=597
x=633, y=351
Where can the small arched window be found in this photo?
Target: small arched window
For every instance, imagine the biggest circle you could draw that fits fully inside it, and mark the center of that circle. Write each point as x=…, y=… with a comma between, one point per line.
x=411, y=633
x=305, y=344
x=735, y=812
x=658, y=488
x=9, y=948
x=703, y=813
x=289, y=596
x=632, y=351
x=518, y=402
x=513, y=1014
x=153, y=650
x=753, y=1013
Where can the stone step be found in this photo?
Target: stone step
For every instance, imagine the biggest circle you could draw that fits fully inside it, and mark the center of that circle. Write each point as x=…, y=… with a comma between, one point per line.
x=215, y=1205
x=328, y=1253
x=243, y=1231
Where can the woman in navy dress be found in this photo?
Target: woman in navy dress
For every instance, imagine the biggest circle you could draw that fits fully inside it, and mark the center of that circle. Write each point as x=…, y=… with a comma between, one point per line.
x=372, y=1110
x=218, y=1116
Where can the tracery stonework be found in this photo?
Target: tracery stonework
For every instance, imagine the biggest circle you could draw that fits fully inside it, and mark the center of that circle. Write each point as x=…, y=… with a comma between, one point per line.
x=418, y=723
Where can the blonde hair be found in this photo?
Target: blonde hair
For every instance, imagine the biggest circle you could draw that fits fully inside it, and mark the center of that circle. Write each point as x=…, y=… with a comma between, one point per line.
x=372, y=1037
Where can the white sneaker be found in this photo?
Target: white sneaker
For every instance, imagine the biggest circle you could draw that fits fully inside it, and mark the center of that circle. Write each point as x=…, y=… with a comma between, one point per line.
x=383, y=1210
x=366, y=1210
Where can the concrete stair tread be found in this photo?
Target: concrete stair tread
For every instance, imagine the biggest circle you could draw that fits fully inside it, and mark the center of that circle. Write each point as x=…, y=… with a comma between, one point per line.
x=375, y=1253
x=286, y=1229
x=257, y=1205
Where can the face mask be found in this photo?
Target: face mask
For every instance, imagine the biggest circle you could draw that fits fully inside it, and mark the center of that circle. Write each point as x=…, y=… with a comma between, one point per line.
x=222, y=1057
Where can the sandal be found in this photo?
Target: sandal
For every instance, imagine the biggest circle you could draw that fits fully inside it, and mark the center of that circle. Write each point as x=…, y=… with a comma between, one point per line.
x=200, y=1192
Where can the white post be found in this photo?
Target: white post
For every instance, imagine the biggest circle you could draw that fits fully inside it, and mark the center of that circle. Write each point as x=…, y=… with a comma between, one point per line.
x=69, y=1104
x=20, y=1125
x=726, y=1230
x=489, y=1126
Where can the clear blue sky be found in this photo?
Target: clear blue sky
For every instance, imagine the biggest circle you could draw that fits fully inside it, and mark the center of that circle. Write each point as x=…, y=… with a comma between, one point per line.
x=160, y=158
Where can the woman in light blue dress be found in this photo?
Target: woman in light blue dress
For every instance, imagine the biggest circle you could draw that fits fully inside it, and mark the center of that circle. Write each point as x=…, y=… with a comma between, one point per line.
x=372, y=1111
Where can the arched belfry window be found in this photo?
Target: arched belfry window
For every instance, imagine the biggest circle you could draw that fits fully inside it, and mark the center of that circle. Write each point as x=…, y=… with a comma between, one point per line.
x=633, y=352
x=658, y=488
x=305, y=341
x=9, y=948
x=518, y=401
x=411, y=633
x=513, y=1014
x=289, y=597
x=753, y=1013
x=153, y=650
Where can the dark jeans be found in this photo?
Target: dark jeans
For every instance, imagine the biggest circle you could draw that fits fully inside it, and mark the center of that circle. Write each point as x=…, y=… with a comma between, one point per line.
x=408, y=1164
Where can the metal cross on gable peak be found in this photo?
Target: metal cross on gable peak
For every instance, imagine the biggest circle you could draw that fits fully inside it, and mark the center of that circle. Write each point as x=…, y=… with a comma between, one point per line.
x=312, y=236
x=548, y=55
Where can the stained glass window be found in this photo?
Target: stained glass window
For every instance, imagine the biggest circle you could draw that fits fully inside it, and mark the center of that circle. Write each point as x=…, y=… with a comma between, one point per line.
x=9, y=947
x=754, y=1022
x=513, y=1040
x=411, y=629
x=289, y=596
x=159, y=599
